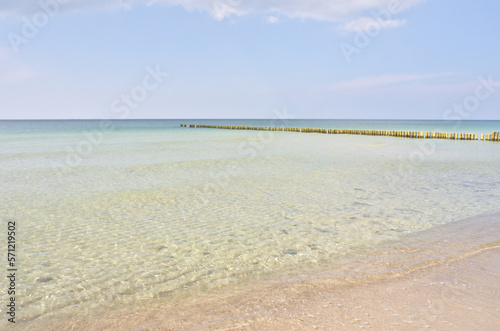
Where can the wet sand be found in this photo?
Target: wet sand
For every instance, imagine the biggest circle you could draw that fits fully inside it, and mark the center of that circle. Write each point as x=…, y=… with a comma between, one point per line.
x=445, y=279
x=462, y=295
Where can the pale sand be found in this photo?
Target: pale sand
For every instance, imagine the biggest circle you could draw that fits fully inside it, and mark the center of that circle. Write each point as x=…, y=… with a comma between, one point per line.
x=445, y=280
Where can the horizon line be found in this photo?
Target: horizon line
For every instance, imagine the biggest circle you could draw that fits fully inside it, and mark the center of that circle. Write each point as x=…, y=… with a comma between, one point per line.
x=242, y=119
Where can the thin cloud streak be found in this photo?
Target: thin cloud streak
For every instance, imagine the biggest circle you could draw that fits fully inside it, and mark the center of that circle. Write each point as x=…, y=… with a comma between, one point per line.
x=15, y=76
x=323, y=10
x=364, y=23
x=381, y=81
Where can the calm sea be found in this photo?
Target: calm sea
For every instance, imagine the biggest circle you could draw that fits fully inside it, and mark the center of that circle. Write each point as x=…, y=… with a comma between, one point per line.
x=112, y=214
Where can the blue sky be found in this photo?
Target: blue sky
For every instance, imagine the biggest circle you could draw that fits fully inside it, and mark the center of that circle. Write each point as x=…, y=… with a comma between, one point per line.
x=370, y=59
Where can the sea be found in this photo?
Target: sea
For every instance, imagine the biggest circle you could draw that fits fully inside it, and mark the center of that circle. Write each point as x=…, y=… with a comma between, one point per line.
x=114, y=214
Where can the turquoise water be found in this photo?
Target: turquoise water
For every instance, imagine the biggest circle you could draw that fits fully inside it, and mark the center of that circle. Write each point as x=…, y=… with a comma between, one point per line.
x=111, y=216
x=51, y=126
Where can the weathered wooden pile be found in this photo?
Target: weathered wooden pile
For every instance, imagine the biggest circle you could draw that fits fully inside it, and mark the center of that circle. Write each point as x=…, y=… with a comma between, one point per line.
x=494, y=136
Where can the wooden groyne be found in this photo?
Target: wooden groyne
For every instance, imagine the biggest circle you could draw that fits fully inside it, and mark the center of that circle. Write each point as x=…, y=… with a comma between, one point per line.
x=494, y=136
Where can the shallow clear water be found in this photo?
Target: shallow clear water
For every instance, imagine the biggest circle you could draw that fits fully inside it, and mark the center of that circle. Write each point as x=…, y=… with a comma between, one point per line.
x=148, y=210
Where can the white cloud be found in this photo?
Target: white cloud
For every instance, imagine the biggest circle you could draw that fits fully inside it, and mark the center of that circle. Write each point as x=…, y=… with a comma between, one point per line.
x=325, y=10
x=272, y=19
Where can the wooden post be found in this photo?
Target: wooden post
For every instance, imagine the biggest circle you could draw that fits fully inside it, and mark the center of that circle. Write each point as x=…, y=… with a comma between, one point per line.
x=494, y=136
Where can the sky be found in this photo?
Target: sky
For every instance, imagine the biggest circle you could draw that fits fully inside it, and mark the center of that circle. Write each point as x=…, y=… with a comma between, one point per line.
x=190, y=59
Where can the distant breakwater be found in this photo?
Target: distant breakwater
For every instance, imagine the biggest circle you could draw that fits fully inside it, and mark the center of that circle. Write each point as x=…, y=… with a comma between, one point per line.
x=494, y=136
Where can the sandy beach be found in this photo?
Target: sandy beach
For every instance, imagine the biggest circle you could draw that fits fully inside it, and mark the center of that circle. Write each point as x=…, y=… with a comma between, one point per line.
x=183, y=165
x=446, y=279
x=462, y=295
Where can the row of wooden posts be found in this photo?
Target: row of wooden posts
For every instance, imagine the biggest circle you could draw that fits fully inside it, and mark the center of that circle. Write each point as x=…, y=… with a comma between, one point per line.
x=494, y=136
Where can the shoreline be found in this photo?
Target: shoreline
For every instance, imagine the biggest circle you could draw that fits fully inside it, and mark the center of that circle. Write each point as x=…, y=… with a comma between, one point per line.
x=444, y=278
